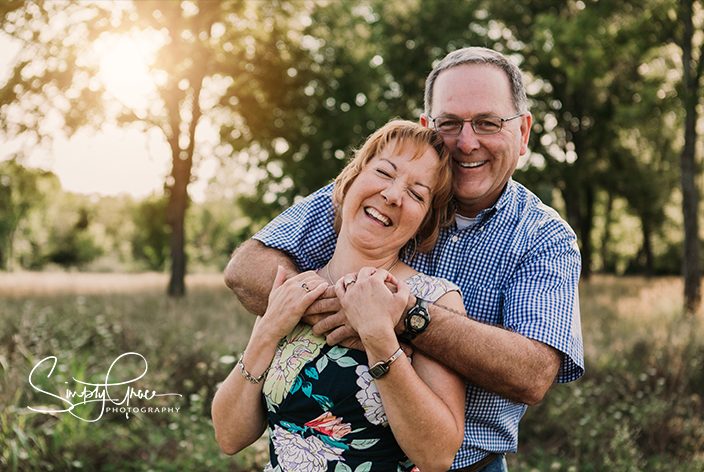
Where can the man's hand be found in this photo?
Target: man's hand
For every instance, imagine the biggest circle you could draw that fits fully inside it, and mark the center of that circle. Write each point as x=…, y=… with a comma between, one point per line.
x=336, y=329
x=329, y=320
x=326, y=304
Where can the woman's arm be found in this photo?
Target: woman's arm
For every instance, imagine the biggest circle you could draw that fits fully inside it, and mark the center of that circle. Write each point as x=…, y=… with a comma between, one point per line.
x=239, y=416
x=424, y=402
x=425, y=406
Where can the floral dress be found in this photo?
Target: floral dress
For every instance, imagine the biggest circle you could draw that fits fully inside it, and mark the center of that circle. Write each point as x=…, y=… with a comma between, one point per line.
x=324, y=410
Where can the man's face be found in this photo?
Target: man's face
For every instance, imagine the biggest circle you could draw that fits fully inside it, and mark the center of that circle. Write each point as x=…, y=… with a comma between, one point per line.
x=482, y=164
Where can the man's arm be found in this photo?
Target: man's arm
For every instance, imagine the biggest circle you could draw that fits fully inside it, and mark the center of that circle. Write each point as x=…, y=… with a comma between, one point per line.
x=251, y=272
x=250, y=275
x=507, y=363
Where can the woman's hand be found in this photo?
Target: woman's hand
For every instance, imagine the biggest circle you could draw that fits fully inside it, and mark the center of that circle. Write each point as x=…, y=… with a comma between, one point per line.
x=288, y=301
x=372, y=309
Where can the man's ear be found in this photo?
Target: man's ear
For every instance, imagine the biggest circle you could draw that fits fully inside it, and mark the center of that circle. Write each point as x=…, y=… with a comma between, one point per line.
x=425, y=120
x=526, y=124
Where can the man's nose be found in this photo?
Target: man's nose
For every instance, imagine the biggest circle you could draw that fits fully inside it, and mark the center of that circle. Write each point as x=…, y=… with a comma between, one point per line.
x=467, y=140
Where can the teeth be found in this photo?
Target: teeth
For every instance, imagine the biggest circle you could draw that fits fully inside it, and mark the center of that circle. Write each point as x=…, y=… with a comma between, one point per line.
x=377, y=216
x=470, y=165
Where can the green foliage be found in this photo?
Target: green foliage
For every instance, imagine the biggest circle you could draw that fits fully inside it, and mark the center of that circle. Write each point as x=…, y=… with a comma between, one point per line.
x=86, y=334
x=22, y=191
x=215, y=229
x=592, y=99
x=72, y=245
x=150, y=240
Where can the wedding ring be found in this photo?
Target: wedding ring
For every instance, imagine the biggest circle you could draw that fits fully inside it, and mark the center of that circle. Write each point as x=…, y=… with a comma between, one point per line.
x=349, y=282
x=305, y=287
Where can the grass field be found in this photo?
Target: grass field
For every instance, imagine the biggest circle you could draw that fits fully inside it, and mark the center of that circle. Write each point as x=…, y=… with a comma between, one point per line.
x=638, y=408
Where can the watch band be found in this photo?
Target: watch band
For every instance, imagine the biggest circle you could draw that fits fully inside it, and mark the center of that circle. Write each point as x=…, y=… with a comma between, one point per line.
x=380, y=369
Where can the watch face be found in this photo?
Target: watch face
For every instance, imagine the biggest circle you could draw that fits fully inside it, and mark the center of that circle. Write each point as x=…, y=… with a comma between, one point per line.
x=417, y=322
x=378, y=370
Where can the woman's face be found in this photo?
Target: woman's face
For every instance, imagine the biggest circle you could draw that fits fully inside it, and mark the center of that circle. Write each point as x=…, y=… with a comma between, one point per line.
x=387, y=202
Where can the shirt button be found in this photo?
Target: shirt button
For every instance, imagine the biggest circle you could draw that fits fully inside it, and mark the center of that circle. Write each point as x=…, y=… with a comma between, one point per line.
x=454, y=239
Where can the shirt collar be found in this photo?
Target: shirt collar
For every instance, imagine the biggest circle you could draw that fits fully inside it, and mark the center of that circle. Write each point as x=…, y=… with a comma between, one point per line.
x=507, y=196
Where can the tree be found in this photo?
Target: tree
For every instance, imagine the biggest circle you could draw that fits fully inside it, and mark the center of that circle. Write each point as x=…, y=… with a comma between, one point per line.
x=206, y=47
x=22, y=190
x=584, y=59
x=317, y=97
x=692, y=69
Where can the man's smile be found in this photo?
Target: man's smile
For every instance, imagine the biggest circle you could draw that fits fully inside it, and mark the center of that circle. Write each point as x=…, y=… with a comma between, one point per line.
x=470, y=165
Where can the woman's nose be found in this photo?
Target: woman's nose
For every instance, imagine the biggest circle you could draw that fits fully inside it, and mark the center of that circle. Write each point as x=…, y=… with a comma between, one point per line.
x=392, y=194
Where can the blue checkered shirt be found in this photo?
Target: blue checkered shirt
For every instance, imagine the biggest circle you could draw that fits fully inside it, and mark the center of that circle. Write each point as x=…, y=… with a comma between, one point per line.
x=517, y=266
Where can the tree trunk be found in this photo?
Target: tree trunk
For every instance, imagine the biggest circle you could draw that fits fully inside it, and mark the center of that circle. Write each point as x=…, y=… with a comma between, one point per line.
x=585, y=230
x=178, y=197
x=176, y=216
x=690, y=195
x=606, y=264
x=646, y=249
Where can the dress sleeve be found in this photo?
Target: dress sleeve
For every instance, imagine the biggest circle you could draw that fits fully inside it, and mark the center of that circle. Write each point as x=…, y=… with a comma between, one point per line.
x=304, y=231
x=430, y=288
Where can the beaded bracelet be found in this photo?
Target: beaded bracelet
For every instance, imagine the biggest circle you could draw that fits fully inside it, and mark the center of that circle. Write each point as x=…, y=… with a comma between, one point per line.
x=254, y=380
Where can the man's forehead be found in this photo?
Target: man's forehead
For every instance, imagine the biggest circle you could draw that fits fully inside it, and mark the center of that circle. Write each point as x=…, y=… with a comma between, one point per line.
x=482, y=86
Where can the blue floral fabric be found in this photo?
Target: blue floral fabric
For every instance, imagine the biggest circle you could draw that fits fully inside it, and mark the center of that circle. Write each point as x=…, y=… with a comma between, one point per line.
x=324, y=410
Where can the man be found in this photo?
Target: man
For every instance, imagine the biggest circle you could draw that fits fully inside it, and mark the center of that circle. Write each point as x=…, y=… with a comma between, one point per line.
x=515, y=260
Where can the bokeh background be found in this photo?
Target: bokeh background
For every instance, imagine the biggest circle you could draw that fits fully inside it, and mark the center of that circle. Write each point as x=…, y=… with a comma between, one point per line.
x=142, y=141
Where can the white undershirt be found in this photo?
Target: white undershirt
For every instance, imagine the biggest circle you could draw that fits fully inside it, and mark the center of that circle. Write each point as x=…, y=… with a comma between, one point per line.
x=463, y=221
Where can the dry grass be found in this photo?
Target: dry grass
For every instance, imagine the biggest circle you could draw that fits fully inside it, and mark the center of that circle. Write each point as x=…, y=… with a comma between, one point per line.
x=27, y=284
x=619, y=311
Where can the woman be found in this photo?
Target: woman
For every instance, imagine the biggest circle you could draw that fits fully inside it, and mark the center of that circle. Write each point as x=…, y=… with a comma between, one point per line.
x=323, y=409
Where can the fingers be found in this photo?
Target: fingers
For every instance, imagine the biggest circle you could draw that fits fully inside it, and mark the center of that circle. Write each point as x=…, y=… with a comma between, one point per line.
x=348, y=282
x=308, y=282
x=301, y=290
x=323, y=304
x=340, y=334
x=329, y=323
x=280, y=278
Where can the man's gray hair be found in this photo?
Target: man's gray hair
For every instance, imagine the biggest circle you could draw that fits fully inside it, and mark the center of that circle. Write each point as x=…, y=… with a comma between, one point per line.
x=477, y=55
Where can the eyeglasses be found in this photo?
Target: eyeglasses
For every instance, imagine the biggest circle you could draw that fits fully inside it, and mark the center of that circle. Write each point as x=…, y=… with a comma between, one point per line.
x=482, y=125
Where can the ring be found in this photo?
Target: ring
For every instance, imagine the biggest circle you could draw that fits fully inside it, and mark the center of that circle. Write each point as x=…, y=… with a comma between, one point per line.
x=305, y=287
x=349, y=282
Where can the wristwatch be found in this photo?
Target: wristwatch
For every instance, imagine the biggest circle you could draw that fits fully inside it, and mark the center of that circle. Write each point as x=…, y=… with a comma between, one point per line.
x=380, y=369
x=416, y=321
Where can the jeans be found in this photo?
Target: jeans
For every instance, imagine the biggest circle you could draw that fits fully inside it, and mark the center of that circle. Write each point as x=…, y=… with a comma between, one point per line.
x=497, y=465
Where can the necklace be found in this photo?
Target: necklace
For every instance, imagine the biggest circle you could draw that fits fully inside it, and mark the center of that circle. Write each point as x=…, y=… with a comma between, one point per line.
x=327, y=270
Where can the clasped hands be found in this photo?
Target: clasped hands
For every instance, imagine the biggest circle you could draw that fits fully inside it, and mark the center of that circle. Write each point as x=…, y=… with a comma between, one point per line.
x=367, y=304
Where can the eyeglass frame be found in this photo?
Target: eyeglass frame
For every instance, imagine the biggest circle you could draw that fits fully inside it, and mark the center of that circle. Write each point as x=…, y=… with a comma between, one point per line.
x=471, y=121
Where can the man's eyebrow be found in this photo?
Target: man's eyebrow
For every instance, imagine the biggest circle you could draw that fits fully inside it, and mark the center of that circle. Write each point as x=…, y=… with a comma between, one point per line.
x=452, y=115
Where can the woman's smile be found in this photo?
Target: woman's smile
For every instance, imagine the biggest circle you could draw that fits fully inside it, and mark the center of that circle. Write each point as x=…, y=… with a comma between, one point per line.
x=376, y=215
